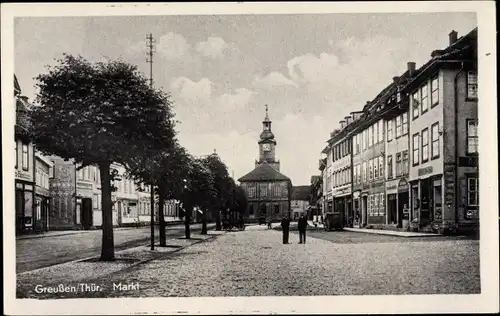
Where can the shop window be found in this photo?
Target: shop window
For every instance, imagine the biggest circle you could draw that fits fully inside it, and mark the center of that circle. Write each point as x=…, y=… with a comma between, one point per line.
x=471, y=85
x=381, y=201
x=435, y=140
x=473, y=191
x=376, y=206
x=425, y=145
x=472, y=137
x=434, y=91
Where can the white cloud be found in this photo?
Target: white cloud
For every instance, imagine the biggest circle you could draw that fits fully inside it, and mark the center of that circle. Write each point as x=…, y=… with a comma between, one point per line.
x=311, y=69
x=215, y=47
x=173, y=46
x=192, y=92
x=238, y=100
x=274, y=79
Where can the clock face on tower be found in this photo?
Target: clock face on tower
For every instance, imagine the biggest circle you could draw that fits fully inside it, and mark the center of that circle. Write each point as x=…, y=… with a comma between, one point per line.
x=266, y=147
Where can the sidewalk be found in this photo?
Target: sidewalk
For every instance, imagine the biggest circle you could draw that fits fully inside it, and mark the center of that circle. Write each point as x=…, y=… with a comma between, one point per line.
x=57, y=233
x=88, y=269
x=390, y=232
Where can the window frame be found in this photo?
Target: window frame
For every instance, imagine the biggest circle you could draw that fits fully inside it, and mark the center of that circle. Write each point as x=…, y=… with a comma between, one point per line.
x=415, y=107
x=27, y=167
x=405, y=162
x=375, y=168
x=469, y=178
x=435, y=155
x=17, y=153
x=467, y=139
x=422, y=138
x=415, y=151
x=381, y=162
x=399, y=160
x=389, y=130
x=399, y=127
x=403, y=124
x=426, y=98
x=390, y=171
x=434, y=79
x=468, y=84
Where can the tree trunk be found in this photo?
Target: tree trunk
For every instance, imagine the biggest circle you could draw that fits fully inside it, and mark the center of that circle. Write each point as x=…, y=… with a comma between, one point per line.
x=204, y=223
x=108, y=245
x=152, y=216
x=161, y=217
x=218, y=225
x=187, y=221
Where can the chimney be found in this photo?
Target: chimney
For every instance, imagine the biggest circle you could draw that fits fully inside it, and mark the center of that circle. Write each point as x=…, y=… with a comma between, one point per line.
x=453, y=37
x=342, y=124
x=395, y=79
x=348, y=120
x=411, y=68
x=356, y=115
x=437, y=53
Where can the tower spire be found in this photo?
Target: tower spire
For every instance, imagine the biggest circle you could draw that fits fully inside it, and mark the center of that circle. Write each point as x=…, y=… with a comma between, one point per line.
x=267, y=116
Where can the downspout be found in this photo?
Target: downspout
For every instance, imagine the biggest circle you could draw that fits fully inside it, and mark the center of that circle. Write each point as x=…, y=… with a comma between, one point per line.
x=457, y=187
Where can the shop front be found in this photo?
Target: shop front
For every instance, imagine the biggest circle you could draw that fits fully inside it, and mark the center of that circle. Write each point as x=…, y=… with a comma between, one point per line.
x=357, y=210
x=397, y=201
x=373, y=200
x=427, y=200
x=25, y=195
x=42, y=206
x=127, y=212
x=342, y=203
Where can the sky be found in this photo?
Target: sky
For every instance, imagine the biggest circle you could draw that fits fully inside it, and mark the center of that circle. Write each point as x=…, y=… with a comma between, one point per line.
x=221, y=71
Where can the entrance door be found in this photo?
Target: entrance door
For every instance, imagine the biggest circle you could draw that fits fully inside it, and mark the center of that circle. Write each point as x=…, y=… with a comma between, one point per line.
x=364, y=205
x=392, y=209
x=86, y=213
x=403, y=200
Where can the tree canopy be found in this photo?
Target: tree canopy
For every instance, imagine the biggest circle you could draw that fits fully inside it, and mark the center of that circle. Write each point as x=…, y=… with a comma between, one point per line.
x=99, y=112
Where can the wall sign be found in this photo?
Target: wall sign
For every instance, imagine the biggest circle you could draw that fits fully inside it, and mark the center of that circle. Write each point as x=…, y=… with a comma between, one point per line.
x=424, y=171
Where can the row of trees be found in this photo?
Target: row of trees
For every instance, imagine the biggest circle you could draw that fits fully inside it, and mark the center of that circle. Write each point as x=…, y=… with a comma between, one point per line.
x=106, y=112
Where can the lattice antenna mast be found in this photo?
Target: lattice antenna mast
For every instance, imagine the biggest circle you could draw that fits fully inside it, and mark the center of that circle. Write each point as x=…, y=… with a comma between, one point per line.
x=151, y=46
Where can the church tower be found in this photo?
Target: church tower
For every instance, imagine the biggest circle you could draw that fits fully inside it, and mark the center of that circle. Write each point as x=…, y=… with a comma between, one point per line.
x=267, y=145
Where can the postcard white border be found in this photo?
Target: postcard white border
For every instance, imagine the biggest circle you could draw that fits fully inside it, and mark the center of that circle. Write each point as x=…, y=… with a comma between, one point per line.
x=487, y=301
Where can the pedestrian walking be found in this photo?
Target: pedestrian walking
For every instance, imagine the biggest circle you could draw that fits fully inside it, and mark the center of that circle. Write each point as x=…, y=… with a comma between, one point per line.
x=302, y=225
x=269, y=222
x=285, y=225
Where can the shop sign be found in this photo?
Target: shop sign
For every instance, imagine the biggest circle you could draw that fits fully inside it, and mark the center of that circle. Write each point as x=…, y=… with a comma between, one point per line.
x=23, y=175
x=403, y=185
x=87, y=186
x=424, y=171
x=468, y=161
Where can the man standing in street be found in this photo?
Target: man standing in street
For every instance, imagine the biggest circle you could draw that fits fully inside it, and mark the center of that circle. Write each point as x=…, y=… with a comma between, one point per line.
x=285, y=225
x=302, y=225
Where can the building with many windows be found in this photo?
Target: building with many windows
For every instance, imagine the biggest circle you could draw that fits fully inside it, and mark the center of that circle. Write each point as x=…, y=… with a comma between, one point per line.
x=415, y=147
x=268, y=191
x=369, y=163
x=444, y=139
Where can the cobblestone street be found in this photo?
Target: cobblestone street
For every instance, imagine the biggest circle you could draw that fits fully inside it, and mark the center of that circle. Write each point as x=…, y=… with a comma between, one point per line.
x=255, y=263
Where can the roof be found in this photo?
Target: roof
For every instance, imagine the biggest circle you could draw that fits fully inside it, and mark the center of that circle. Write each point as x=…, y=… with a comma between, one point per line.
x=264, y=172
x=315, y=178
x=301, y=193
x=17, y=87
